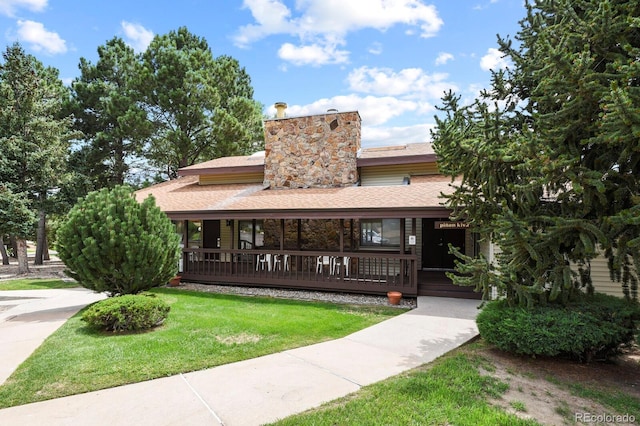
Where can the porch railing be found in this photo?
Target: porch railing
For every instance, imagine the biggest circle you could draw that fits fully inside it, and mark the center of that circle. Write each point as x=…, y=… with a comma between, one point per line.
x=361, y=272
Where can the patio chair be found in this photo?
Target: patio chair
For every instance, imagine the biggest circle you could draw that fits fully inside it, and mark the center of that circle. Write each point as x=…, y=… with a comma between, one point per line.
x=262, y=261
x=338, y=263
x=323, y=261
x=279, y=260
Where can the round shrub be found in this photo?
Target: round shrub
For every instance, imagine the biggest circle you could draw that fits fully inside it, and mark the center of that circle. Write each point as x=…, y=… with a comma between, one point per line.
x=112, y=243
x=126, y=313
x=594, y=326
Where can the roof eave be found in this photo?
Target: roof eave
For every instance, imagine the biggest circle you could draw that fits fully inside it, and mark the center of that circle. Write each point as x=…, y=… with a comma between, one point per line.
x=354, y=213
x=258, y=168
x=390, y=161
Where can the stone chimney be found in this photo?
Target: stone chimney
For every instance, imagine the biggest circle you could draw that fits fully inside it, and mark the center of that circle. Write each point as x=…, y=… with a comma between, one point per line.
x=318, y=151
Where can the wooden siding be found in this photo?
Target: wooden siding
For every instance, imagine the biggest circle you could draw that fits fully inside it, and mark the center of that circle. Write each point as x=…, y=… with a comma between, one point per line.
x=395, y=174
x=601, y=281
x=232, y=178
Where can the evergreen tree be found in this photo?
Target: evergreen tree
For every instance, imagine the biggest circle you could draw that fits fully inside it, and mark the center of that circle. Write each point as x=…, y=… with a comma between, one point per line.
x=34, y=133
x=549, y=156
x=201, y=107
x=17, y=219
x=112, y=243
x=106, y=111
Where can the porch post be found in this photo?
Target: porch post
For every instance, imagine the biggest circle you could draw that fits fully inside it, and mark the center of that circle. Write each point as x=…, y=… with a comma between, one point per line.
x=414, y=269
x=281, y=234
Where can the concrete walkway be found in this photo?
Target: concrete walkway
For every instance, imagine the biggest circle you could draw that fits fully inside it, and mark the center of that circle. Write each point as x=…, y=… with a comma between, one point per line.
x=259, y=390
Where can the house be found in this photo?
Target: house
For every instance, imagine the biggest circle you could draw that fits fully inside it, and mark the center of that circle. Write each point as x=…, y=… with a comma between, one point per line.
x=316, y=211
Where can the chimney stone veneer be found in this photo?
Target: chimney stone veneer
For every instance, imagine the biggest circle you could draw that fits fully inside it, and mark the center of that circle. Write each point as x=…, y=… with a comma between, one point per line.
x=318, y=151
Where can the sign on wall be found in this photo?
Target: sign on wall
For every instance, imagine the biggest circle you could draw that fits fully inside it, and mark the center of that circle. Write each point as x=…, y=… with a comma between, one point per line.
x=450, y=225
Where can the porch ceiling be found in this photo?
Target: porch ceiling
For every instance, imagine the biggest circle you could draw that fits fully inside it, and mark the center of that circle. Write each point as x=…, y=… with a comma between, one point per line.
x=184, y=198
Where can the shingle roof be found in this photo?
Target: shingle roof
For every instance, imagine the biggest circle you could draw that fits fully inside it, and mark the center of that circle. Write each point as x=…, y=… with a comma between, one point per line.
x=186, y=195
x=388, y=154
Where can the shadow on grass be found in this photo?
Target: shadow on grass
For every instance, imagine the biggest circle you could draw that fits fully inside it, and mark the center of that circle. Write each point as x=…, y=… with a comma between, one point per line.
x=37, y=284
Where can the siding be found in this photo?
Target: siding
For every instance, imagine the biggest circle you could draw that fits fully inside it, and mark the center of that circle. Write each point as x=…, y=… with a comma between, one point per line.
x=234, y=178
x=394, y=175
x=601, y=281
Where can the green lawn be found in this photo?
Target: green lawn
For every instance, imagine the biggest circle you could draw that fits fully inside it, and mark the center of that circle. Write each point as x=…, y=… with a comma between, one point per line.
x=36, y=284
x=203, y=330
x=448, y=391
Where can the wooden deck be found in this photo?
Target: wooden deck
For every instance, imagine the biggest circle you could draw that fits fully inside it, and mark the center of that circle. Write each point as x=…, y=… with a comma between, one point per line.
x=367, y=273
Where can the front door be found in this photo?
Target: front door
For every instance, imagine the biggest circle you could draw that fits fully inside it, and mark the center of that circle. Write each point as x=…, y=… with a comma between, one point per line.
x=211, y=235
x=435, y=243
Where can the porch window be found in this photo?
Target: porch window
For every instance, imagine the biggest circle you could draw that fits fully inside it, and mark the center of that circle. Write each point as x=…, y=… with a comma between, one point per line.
x=194, y=233
x=380, y=233
x=179, y=224
x=251, y=234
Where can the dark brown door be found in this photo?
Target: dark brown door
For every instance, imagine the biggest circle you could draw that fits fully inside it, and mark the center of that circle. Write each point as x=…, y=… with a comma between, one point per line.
x=210, y=235
x=435, y=244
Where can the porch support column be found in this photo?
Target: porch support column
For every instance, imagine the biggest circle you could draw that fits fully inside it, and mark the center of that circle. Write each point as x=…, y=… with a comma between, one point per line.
x=281, y=234
x=414, y=269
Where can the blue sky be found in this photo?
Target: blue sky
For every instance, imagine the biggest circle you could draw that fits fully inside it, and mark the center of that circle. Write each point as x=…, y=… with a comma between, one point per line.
x=391, y=60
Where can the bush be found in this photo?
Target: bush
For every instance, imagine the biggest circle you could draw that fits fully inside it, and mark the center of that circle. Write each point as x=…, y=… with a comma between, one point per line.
x=126, y=313
x=593, y=326
x=112, y=243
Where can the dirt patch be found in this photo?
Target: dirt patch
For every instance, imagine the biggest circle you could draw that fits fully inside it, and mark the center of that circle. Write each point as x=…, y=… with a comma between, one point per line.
x=239, y=339
x=50, y=269
x=538, y=386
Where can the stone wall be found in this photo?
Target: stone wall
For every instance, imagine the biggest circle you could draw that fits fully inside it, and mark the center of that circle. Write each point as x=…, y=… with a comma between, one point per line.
x=318, y=151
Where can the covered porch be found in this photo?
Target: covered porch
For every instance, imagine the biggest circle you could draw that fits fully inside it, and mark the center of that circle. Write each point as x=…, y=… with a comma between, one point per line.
x=352, y=254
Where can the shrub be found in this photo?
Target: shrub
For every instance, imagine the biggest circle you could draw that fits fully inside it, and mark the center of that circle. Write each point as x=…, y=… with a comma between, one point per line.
x=126, y=313
x=593, y=326
x=112, y=243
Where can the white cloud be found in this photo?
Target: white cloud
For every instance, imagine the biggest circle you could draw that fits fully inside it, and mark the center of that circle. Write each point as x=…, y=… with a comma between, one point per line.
x=9, y=7
x=443, y=58
x=387, y=136
x=409, y=82
x=375, y=48
x=138, y=37
x=313, y=54
x=39, y=38
x=494, y=60
x=326, y=23
x=373, y=110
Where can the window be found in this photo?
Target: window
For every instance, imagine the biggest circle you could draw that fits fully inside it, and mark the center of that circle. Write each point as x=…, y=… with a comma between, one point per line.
x=179, y=224
x=194, y=233
x=246, y=238
x=380, y=233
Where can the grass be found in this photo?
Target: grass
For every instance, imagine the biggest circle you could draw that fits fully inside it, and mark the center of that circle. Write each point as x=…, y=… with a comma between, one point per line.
x=449, y=390
x=36, y=284
x=203, y=330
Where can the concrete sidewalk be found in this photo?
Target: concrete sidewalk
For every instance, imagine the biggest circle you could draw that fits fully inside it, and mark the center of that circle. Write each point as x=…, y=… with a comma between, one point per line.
x=275, y=386
x=27, y=317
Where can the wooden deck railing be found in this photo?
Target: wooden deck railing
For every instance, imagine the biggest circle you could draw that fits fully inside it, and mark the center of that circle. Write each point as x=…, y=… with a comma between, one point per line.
x=362, y=272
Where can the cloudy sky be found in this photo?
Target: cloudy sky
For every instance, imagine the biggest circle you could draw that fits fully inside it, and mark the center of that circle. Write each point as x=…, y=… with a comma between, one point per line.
x=391, y=60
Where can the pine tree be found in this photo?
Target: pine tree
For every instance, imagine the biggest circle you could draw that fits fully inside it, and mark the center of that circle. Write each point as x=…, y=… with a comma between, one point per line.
x=550, y=155
x=112, y=243
x=201, y=107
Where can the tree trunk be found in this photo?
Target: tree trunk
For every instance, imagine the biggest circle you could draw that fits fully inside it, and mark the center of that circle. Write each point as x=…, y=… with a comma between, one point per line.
x=46, y=248
x=14, y=247
x=3, y=252
x=23, y=264
x=41, y=236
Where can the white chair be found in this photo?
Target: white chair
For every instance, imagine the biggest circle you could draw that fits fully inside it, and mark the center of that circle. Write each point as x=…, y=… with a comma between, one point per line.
x=279, y=260
x=263, y=260
x=322, y=262
x=338, y=263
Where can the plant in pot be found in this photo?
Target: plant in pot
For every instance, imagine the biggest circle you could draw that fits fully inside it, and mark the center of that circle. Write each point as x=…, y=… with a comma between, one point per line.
x=175, y=281
x=394, y=297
